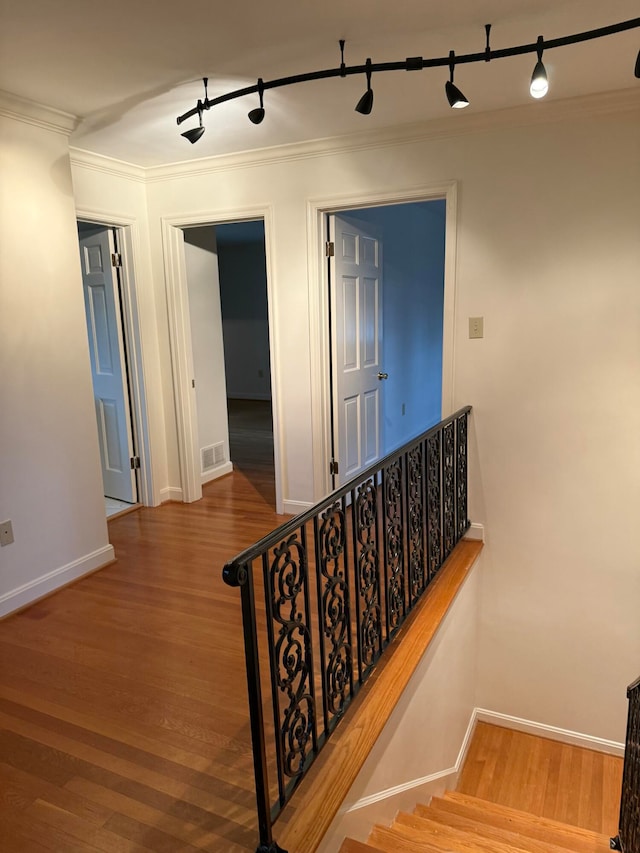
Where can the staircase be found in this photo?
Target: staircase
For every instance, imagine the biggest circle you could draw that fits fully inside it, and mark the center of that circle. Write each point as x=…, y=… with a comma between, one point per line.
x=459, y=823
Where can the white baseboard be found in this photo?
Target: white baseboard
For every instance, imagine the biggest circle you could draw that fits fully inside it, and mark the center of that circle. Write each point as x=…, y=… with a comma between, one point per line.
x=171, y=493
x=26, y=594
x=220, y=471
x=295, y=507
x=447, y=777
x=551, y=732
x=476, y=531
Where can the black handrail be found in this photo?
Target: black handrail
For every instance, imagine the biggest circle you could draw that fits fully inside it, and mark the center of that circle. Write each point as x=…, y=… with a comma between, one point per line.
x=628, y=838
x=334, y=585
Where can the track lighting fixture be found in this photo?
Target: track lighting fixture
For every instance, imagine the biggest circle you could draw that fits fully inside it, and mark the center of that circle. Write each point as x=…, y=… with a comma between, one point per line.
x=455, y=97
x=257, y=115
x=194, y=133
x=538, y=88
x=539, y=83
x=365, y=104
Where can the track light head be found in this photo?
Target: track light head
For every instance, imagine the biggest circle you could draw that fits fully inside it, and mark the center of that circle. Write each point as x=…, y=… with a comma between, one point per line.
x=257, y=115
x=194, y=133
x=365, y=104
x=455, y=97
x=637, y=68
x=539, y=83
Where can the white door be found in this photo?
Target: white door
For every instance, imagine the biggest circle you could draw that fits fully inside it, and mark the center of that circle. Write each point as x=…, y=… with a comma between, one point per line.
x=356, y=336
x=108, y=368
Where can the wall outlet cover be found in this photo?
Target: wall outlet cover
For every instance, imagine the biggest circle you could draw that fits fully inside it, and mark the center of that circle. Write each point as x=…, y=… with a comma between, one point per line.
x=6, y=533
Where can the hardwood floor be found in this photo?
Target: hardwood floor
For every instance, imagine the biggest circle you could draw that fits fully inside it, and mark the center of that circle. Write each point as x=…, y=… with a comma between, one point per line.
x=123, y=715
x=547, y=778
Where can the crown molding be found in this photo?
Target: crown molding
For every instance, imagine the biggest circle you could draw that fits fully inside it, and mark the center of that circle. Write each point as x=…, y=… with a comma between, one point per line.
x=31, y=112
x=460, y=124
x=109, y=165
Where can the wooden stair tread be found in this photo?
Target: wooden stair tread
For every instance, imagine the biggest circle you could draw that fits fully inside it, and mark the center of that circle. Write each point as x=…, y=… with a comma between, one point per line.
x=350, y=845
x=484, y=830
x=573, y=838
x=447, y=837
x=391, y=841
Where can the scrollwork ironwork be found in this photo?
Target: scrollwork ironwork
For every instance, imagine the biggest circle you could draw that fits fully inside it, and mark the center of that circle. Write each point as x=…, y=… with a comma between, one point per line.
x=394, y=545
x=415, y=512
x=448, y=489
x=629, y=828
x=461, y=476
x=291, y=657
x=338, y=663
x=368, y=577
x=434, y=506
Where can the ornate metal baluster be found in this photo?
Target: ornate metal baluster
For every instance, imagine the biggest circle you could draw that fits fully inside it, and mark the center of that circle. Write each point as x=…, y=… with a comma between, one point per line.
x=417, y=579
x=628, y=839
x=434, y=505
x=462, y=522
x=448, y=489
x=367, y=577
x=334, y=612
x=394, y=547
x=291, y=658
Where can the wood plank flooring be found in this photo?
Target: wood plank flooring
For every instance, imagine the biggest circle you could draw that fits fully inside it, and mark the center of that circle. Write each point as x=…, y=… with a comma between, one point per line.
x=545, y=777
x=123, y=710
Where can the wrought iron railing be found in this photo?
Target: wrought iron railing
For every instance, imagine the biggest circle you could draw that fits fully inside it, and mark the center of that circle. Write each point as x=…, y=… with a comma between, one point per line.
x=325, y=593
x=628, y=838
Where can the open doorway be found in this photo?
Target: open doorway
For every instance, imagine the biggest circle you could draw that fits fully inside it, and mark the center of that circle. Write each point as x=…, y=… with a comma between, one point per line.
x=386, y=275
x=226, y=279
x=108, y=352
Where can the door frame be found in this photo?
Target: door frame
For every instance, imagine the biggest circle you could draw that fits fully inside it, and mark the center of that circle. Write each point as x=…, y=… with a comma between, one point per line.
x=128, y=240
x=181, y=344
x=319, y=332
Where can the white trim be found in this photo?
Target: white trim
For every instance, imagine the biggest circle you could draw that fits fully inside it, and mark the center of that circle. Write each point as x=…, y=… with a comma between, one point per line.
x=476, y=531
x=450, y=773
x=545, y=112
x=130, y=250
x=39, y=115
x=296, y=507
x=171, y=493
x=220, y=471
x=81, y=158
x=181, y=345
x=319, y=316
x=30, y=592
x=551, y=732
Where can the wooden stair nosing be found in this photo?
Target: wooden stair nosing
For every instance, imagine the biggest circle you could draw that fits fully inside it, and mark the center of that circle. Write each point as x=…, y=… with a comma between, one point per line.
x=536, y=826
x=351, y=845
x=389, y=841
x=491, y=834
x=447, y=837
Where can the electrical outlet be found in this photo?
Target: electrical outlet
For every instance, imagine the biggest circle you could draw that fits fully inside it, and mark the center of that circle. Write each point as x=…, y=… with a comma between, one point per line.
x=404, y=408
x=476, y=327
x=6, y=533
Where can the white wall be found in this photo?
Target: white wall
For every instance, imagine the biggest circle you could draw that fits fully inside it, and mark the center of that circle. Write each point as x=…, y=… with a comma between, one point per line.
x=50, y=478
x=420, y=748
x=203, y=286
x=548, y=253
x=245, y=319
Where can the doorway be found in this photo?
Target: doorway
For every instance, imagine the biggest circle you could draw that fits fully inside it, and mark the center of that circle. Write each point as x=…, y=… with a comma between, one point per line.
x=321, y=366
x=115, y=348
x=386, y=295
x=226, y=281
x=101, y=283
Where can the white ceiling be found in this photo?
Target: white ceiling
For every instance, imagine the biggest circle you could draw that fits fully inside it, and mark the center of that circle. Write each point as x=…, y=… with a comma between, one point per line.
x=128, y=68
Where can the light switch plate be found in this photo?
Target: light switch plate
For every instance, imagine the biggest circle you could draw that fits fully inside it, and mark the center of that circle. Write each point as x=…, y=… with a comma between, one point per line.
x=6, y=533
x=476, y=327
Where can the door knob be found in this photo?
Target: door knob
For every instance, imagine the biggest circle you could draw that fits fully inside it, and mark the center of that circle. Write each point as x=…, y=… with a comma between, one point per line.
x=383, y=376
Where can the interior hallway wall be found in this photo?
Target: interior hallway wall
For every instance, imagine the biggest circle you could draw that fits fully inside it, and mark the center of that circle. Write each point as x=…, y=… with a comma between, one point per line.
x=50, y=481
